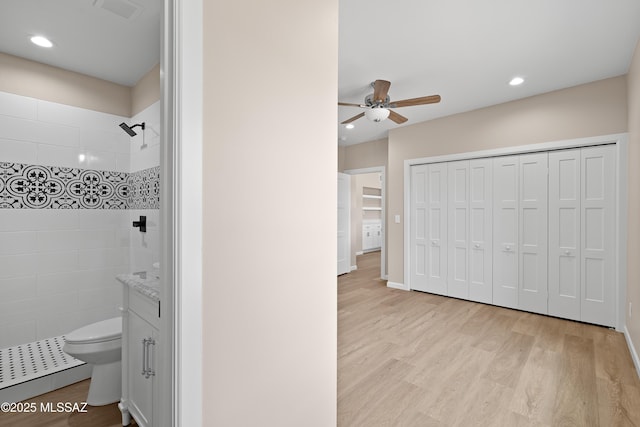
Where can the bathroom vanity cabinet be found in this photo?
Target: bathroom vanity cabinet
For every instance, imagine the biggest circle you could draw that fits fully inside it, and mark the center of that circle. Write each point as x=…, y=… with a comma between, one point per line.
x=140, y=350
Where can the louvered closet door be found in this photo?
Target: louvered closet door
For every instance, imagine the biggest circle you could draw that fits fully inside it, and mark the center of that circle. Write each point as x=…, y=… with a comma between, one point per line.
x=458, y=213
x=437, y=229
x=564, y=234
x=505, y=231
x=598, y=224
x=533, y=287
x=419, y=238
x=480, y=230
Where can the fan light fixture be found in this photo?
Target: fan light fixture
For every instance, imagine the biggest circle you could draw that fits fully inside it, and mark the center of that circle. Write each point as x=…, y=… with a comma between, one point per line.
x=376, y=114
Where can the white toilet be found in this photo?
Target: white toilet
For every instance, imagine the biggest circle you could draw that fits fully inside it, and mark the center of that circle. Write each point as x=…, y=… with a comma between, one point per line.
x=100, y=344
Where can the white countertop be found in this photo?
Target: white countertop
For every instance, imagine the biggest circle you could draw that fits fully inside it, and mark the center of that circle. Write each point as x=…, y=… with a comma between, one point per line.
x=146, y=283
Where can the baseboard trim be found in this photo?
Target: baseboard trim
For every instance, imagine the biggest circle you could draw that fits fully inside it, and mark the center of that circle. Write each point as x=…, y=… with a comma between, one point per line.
x=359, y=253
x=396, y=285
x=632, y=350
x=354, y=267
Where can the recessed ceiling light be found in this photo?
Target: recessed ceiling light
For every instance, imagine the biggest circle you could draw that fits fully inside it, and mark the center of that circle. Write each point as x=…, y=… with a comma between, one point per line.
x=350, y=126
x=516, y=81
x=41, y=41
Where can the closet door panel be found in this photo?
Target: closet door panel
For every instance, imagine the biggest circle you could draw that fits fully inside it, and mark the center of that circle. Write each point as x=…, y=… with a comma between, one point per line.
x=458, y=230
x=437, y=229
x=480, y=230
x=533, y=288
x=598, y=235
x=505, y=231
x=564, y=234
x=419, y=237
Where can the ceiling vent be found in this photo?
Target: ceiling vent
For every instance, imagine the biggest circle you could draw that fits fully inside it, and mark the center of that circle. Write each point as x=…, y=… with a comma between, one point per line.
x=123, y=8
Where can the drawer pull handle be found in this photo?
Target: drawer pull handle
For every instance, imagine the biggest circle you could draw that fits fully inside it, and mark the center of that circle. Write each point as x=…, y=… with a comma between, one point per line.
x=147, y=371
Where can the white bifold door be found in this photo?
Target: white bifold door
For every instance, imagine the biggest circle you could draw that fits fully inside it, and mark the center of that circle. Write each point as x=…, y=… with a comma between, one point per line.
x=469, y=231
x=582, y=234
x=534, y=232
x=429, y=228
x=520, y=232
x=481, y=230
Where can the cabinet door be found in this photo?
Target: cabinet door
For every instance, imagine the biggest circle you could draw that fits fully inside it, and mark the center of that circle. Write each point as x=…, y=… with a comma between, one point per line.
x=366, y=237
x=505, y=231
x=437, y=229
x=564, y=234
x=377, y=236
x=458, y=230
x=480, y=230
x=598, y=223
x=533, y=287
x=140, y=387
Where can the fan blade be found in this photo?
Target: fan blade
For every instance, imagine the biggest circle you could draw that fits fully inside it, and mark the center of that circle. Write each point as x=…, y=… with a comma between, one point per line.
x=346, y=104
x=380, y=89
x=352, y=119
x=397, y=117
x=432, y=99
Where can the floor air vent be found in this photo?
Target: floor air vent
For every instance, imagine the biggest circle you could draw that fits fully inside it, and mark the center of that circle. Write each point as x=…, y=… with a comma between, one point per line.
x=26, y=362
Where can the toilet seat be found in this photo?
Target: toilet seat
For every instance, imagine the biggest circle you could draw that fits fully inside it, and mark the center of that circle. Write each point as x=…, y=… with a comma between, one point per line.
x=106, y=330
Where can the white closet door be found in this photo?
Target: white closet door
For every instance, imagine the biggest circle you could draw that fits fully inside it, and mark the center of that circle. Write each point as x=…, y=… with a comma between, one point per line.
x=533, y=287
x=437, y=229
x=418, y=227
x=480, y=230
x=458, y=239
x=505, y=231
x=564, y=234
x=598, y=231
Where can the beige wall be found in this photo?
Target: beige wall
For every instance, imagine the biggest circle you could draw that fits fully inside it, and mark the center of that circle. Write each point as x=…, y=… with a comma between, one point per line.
x=365, y=155
x=592, y=109
x=146, y=91
x=269, y=285
x=633, y=226
x=36, y=80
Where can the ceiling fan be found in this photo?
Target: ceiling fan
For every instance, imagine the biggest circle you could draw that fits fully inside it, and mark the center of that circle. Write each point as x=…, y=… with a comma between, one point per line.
x=377, y=104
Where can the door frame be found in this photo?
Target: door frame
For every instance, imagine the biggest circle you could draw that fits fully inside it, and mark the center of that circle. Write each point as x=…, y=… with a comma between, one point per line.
x=621, y=142
x=347, y=232
x=383, y=246
x=181, y=115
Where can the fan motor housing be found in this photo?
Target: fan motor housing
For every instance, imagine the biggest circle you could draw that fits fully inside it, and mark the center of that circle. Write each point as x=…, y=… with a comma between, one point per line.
x=370, y=102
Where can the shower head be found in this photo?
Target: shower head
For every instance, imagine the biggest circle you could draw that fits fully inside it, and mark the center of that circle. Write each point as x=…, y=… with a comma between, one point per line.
x=129, y=129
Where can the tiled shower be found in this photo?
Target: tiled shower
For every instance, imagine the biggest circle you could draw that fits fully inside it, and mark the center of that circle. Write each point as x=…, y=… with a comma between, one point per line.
x=71, y=184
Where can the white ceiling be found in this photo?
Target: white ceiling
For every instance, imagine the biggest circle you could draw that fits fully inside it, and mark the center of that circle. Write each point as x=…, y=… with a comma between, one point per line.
x=464, y=50
x=87, y=38
x=468, y=50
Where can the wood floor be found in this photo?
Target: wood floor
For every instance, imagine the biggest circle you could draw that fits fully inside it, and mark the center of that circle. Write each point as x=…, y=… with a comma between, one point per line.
x=415, y=359
x=96, y=416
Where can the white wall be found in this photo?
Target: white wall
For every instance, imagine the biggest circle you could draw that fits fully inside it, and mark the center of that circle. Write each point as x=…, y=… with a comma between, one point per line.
x=58, y=266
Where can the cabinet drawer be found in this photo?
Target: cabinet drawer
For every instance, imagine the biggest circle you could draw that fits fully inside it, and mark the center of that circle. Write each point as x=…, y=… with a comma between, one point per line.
x=146, y=308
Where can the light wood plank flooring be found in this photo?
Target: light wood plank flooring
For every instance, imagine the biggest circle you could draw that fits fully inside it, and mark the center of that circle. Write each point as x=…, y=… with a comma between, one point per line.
x=96, y=416
x=415, y=359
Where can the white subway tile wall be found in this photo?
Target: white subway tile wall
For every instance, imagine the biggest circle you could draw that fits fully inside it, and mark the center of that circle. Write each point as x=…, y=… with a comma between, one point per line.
x=58, y=266
x=145, y=154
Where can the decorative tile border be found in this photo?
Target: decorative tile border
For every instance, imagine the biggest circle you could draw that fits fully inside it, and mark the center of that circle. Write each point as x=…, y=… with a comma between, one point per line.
x=144, y=189
x=50, y=187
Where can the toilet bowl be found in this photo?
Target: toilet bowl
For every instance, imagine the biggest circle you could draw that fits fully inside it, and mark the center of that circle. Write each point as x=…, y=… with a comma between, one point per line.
x=99, y=344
